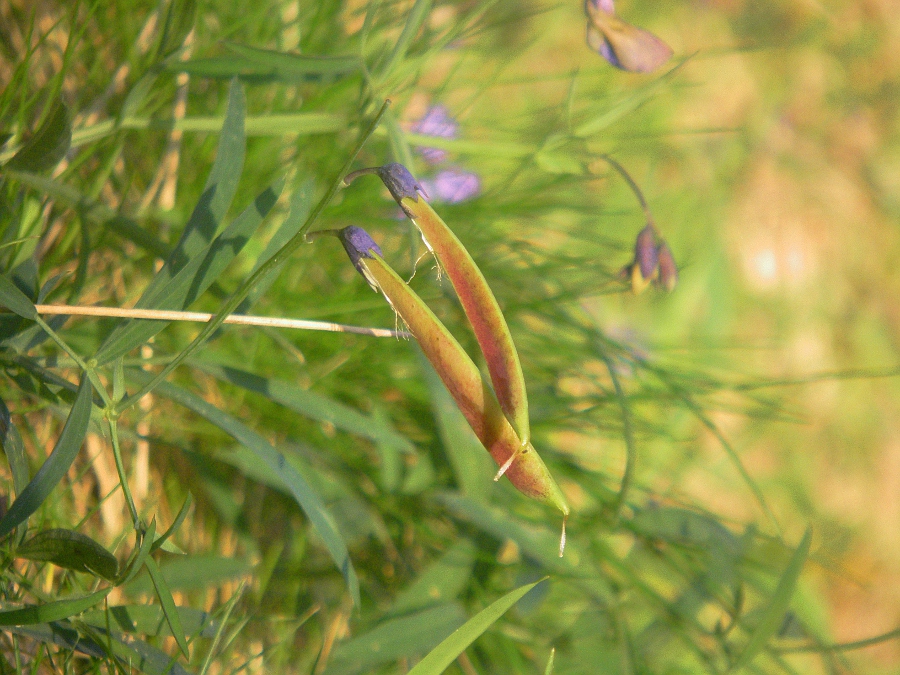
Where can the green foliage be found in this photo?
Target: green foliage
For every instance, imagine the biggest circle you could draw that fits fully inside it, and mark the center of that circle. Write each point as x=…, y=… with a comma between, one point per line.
x=324, y=505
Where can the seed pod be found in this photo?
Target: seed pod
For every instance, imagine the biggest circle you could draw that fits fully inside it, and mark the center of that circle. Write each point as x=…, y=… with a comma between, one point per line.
x=623, y=45
x=471, y=288
x=460, y=375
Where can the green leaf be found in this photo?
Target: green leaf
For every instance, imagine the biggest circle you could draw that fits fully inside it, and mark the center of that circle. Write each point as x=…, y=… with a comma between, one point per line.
x=14, y=449
x=150, y=620
x=312, y=505
x=71, y=550
x=195, y=572
x=179, y=519
x=168, y=605
x=15, y=300
x=56, y=465
x=773, y=616
x=49, y=144
x=440, y=582
x=440, y=658
x=178, y=22
x=269, y=65
x=51, y=611
x=395, y=639
x=137, y=562
x=312, y=405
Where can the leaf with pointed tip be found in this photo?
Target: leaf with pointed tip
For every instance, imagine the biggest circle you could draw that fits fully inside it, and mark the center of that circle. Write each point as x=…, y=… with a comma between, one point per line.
x=14, y=449
x=15, y=300
x=178, y=22
x=56, y=465
x=164, y=595
x=440, y=658
x=71, y=550
x=51, y=611
x=49, y=144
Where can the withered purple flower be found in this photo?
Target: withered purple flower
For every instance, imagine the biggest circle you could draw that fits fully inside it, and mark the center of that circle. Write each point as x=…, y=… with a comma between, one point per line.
x=625, y=46
x=653, y=262
x=668, y=270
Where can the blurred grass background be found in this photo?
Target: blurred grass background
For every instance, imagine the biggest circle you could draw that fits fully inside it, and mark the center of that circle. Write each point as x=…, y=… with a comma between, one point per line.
x=770, y=158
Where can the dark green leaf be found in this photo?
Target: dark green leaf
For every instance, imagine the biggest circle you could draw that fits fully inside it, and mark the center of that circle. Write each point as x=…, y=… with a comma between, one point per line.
x=49, y=144
x=394, y=639
x=51, y=611
x=164, y=595
x=445, y=653
x=14, y=450
x=71, y=550
x=56, y=465
x=15, y=300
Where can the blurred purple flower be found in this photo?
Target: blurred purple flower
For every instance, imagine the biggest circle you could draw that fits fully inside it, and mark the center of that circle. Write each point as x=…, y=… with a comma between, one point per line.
x=452, y=186
x=436, y=122
x=625, y=46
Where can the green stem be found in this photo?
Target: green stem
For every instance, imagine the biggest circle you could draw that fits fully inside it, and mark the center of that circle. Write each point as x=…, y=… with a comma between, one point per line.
x=120, y=468
x=632, y=184
x=89, y=371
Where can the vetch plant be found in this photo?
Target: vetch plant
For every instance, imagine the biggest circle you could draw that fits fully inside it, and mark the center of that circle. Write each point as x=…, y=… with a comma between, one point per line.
x=471, y=287
x=474, y=397
x=623, y=45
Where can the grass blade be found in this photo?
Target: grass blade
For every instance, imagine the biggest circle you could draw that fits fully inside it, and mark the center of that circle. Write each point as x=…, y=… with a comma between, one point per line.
x=305, y=496
x=49, y=143
x=445, y=653
x=14, y=449
x=168, y=605
x=51, y=611
x=778, y=605
x=56, y=465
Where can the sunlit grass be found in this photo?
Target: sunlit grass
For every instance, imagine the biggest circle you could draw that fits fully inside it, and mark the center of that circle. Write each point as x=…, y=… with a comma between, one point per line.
x=339, y=516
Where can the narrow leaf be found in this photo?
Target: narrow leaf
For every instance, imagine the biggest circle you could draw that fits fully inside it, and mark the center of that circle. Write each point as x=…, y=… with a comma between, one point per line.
x=179, y=519
x=178, y=22
x=312, y=505
x=71, y=550
x=14, y=449
x=774, y=614
x=137, y=562
x=56, y=465
x=49, y=144
x=440, y=658
x=168, y=605
x=312, y=405
x=15, y=300
x=150, y=620
x=51, y=611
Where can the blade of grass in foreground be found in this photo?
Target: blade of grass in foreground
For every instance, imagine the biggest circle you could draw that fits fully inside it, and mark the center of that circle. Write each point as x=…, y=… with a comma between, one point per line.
x=305, y=496
x=774, y=614
x=56, y=465
x=168, y=605
x=444, y=654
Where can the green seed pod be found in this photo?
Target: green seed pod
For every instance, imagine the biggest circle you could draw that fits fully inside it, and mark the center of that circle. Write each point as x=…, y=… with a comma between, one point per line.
x=460, y=375
x=476, y=297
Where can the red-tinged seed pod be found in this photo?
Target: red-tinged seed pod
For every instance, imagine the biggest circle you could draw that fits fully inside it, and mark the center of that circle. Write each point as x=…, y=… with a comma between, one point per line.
x=623, y=45
x=473, y=396
x=475, y=296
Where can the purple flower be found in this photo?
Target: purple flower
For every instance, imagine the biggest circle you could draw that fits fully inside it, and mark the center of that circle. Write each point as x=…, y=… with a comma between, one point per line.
x=625, y=46
x=453, y=186
x=436, y=122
